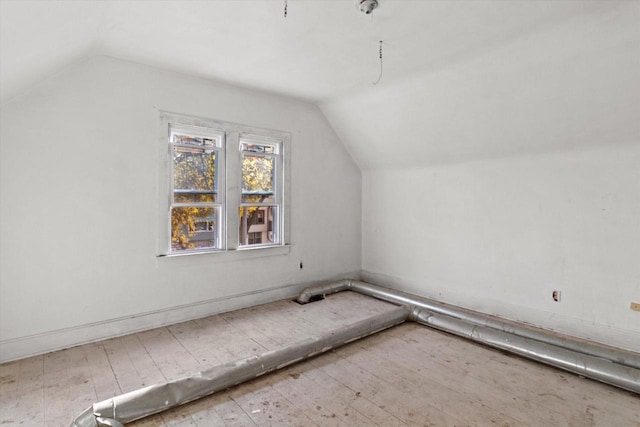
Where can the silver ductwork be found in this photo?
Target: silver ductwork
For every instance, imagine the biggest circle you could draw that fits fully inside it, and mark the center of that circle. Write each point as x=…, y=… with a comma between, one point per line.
x=613, y=366
x=593, y=367
x=160, y=397
x=609, y=365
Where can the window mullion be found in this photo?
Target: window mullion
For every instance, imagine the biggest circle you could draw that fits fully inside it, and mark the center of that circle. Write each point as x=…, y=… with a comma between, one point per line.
x=234, y=185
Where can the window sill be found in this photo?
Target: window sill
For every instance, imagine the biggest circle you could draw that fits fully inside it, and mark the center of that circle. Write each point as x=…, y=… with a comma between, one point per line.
x=235, y=254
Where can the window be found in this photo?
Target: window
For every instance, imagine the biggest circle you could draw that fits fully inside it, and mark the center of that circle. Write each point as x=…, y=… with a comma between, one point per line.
x=255, y=238
x=226, y=186
x=196, y=196
x=261, y=163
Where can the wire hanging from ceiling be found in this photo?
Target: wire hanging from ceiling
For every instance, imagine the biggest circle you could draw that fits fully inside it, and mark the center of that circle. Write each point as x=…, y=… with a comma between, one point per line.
x=379, y=77
x=365, y=6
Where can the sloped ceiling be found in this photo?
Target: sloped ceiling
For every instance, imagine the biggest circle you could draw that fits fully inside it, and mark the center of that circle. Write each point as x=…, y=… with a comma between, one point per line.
x=461, y=79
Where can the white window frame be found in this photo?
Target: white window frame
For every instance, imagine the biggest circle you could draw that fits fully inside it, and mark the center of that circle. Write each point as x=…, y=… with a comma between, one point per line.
x=229, y=184
x=277, y=156
x=220, y=187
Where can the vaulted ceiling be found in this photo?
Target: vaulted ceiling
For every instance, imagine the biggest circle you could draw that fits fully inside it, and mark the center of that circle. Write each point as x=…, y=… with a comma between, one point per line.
x=461, y=79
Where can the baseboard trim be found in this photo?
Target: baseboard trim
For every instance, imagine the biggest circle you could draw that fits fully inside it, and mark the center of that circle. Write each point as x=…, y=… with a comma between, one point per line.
x=36, y=344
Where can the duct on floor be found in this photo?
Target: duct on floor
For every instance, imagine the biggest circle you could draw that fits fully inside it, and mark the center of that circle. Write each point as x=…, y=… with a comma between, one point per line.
x=612, y=366
x=143, y=402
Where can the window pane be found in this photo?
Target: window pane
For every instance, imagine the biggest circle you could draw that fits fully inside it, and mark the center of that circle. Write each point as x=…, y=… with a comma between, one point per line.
x=257, y=198
x=194, y=174
x=193, y=227
x=193, y=196
x=258, y=175
x=180, y=138
x=257, y=225
x=255, y=238
x=258, y=148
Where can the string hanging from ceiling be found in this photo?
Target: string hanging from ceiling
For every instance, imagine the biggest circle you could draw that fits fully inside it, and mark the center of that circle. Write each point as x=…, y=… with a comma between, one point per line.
x=365, y=6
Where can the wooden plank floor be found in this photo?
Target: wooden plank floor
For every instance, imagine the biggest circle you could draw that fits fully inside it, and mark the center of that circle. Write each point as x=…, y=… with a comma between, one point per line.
x=407, y=375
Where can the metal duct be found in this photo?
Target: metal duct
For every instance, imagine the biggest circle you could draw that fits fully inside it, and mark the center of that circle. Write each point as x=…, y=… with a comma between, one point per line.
x=612, y=366
x=160, y=397
x=589, y=366
x=609, y=365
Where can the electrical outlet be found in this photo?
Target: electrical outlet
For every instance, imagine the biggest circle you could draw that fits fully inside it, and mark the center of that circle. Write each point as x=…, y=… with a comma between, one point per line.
x=635, y=306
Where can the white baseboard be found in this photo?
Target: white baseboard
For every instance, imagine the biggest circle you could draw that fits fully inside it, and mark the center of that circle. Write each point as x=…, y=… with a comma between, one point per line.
x=32, y=345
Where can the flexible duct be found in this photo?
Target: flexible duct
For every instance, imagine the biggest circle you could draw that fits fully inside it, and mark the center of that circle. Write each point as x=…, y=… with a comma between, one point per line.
x=609, y=365
x=612, y=366
x=593, y=367
x=157, y=398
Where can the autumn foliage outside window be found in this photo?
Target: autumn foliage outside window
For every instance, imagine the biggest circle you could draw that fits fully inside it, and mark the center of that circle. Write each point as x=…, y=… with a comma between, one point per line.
x=261, y=164
x=201, y=209
x=196, y=198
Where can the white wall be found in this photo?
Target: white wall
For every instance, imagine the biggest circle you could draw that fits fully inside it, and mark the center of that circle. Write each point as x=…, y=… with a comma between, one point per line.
x=79, y=207
x=500, y=235
x=510, y=171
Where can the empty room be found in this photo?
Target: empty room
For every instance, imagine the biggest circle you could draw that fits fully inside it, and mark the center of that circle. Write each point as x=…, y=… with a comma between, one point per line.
x=319, y=213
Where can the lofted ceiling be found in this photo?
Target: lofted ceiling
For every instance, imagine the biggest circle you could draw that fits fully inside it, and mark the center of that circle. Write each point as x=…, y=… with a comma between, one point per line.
x=452, y=68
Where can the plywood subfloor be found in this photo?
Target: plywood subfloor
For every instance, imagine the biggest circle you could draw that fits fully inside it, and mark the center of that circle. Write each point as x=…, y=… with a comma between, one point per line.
x=408, y=375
